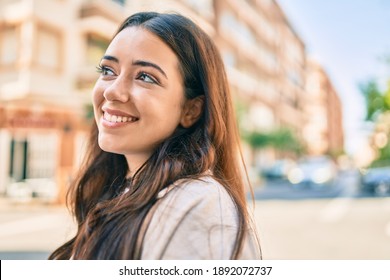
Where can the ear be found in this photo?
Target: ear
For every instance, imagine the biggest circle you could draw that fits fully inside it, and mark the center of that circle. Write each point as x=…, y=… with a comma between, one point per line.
x=192, y=111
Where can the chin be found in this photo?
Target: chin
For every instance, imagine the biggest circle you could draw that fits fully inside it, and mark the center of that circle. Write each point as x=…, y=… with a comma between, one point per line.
x=108, y=146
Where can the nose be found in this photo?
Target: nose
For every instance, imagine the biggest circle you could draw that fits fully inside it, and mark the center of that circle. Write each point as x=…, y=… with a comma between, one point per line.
x=119, y=90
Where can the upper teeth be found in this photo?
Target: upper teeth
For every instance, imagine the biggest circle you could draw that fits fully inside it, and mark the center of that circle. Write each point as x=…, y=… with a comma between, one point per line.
x=114, y=118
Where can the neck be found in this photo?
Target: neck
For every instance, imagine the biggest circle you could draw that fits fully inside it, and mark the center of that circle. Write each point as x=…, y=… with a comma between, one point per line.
x=134, y=162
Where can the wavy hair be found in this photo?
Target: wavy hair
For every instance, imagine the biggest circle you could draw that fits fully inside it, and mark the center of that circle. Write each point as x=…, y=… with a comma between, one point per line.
x=109, y=220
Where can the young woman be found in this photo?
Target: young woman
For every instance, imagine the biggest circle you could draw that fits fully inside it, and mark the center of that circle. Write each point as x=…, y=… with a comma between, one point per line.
x=162, y=177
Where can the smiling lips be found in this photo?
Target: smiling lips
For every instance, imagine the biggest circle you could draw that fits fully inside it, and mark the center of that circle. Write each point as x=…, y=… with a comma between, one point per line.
x=118, y=119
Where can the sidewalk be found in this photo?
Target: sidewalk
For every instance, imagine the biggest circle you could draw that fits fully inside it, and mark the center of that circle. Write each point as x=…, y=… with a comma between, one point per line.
x=33, y=226
x=305, y=229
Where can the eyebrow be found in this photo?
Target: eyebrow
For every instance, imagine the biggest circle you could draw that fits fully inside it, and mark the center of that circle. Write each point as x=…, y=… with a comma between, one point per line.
x=110, y=57
x=149, y=64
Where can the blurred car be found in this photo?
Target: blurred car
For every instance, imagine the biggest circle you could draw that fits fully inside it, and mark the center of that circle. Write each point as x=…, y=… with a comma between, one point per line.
x=313, y=171
x=278, y=170
x=376, y=181
x=44, y=189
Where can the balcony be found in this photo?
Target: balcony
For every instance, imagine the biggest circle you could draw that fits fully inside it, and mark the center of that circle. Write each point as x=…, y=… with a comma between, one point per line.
x=110, y=10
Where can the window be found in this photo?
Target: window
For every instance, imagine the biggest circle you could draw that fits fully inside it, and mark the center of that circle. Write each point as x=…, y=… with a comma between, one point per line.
x=9, y=44
x=266, y=2
x=48, y=52
x=34, y=156
x=120, y=2
x=18, y=159
x=229, y=58
x=42, y=155
x=262, y=117
x=231, y=25
x=96, y=47
x=203, y=7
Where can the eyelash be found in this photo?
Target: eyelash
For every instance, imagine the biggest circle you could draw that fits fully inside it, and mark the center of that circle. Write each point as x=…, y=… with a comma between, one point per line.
x=144, y=74
x=103, y=69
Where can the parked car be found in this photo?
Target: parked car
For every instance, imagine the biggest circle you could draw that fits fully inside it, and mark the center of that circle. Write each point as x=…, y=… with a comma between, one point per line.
x=313, y=171
x=376, y=181
x=44, y=189
x=278, y=170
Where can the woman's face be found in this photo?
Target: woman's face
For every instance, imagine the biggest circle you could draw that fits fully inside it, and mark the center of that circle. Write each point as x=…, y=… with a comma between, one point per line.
x=138, y=99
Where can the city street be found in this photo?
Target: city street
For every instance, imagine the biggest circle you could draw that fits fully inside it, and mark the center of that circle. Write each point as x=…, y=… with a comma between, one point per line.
x=293, y=224
x=308, y=97
x=31, y=231
x=328, y=222
x=341, y=228
x=345, y=184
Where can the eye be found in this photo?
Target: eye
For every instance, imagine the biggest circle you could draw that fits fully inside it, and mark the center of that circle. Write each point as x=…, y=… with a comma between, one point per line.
x=105, y=71
x=147, y=78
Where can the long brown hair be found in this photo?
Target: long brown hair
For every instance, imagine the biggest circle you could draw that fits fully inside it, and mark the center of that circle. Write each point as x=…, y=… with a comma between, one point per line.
x=109, y=220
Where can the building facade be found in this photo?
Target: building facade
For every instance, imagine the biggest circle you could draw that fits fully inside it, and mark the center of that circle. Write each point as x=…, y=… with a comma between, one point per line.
x=323, y=128
x=264, y=58
x=49, y=50
x=48, y=53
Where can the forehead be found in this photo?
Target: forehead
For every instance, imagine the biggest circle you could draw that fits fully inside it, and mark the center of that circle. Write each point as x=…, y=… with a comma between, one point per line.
x=139, y=43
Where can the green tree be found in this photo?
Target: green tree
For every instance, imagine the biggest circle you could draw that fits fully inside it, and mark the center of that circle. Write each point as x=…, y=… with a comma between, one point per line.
x=281, y=139
x=378, y=112
x=377, y=102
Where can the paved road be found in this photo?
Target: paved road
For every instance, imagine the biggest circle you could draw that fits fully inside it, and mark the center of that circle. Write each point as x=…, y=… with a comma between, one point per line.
x=31, y=231
x=341, y=227
x=345, y=185
x=24, y=255
x=336, y=222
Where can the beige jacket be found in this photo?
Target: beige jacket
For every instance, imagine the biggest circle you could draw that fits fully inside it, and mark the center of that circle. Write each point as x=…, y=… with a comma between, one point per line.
x=196, y=219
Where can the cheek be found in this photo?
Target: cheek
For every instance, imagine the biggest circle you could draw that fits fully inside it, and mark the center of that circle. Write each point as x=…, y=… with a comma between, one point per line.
x=97, y=96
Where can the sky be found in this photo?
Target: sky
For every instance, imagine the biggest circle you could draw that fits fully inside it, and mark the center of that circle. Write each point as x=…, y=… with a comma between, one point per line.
x=349, y=38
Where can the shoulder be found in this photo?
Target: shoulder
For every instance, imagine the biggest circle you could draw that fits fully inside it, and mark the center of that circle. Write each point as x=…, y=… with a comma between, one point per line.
x=198, y=187
x=202, y=187
x=193, y=219
x=203, y=196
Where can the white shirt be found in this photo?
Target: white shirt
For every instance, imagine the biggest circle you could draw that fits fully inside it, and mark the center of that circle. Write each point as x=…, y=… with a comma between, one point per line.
x=196, y=219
